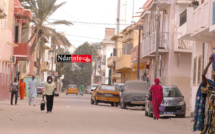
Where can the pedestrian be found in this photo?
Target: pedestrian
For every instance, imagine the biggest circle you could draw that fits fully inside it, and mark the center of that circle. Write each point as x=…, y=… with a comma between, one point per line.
x=81, y=89
x=49, y=90
x=157, y=97
x=201, y=117
x=97, y=82
x=14, y=88
x=22, y=88
x=32, y=86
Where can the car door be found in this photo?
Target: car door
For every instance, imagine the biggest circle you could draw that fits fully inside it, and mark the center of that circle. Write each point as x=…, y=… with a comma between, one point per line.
x=94, y=93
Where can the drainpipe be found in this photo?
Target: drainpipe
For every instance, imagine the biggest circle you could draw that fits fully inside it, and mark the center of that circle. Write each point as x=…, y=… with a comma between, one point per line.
x=138, y=60
x=157, y=39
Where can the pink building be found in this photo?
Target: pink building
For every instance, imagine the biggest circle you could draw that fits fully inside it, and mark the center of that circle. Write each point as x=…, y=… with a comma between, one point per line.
x=6, y=46
x=10, y=17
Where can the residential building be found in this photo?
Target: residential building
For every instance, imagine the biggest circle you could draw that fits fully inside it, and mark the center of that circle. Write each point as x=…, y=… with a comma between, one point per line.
x=107, y=50
x=6, y=46
x=24, y=65
x=97, y=74
x=198, y=28
x=175, y=54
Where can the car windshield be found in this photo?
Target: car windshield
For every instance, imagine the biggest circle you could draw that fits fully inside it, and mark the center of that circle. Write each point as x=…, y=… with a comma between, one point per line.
x=73, y=86
x=110, y=88
x=171, y=92
x=94, y=87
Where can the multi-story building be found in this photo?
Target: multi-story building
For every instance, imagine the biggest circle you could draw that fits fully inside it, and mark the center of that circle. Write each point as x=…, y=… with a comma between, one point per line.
x=107, y=50
x=197, y=26
x=6, y=46
x=174, y=60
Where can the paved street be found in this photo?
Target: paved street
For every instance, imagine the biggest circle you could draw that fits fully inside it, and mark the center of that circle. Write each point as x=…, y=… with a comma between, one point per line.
x=75, y=115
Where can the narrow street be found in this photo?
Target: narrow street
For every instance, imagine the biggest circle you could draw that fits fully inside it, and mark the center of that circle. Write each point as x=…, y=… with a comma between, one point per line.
x=75, y=115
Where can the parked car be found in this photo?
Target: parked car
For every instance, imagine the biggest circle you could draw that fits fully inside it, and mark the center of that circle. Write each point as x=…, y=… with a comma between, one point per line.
x=105, y=94
x=72, y=89
x=40, y=87
x=173, y=102
x=88, y=89
x=93, y=87
x=133, y=93
x=119, y=87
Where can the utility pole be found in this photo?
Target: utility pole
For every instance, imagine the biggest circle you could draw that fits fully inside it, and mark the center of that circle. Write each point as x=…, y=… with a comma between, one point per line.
x=157, y=39
x=133, y=12
x=138, y=60
x=118, y=17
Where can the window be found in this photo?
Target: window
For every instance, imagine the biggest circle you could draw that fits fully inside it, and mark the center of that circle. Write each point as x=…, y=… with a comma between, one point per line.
x=183, y=17
x=213, y=13
x=194, y=70
x=16, y=34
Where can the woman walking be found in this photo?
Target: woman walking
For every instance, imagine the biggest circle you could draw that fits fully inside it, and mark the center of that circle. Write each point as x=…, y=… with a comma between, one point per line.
x=50, y=87
x=22, y=89
x=157, y=97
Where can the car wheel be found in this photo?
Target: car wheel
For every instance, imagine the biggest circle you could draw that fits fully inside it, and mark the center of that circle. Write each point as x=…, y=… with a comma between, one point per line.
x=76, y=94
x=150, y=114
x=66, y=94
x=146, y=113
x=117, y=104
x=96, y=102
x=123, y=106
x=92, y=102
x=180, y=115
x=112, y=104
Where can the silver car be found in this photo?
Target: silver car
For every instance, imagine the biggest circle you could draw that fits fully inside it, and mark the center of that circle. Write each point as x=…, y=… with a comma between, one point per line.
x=173, y=102
x=92, y=87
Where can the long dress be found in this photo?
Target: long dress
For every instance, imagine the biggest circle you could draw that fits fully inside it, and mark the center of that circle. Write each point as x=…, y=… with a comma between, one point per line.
x=32, y=84
x=22, y=89
x=157, y=97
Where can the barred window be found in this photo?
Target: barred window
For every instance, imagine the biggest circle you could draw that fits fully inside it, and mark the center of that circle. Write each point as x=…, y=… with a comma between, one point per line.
x=194, y=70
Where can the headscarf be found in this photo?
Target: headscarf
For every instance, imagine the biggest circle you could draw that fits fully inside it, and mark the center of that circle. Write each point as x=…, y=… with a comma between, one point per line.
x=21, y=80
x=157, y=81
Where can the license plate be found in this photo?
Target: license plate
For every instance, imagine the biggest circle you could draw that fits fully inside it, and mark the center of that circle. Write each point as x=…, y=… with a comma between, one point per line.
x=138, y=102
x=108, y=95
x=169, y=113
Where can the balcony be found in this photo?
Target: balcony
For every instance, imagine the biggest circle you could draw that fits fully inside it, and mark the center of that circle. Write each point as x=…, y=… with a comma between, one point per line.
x=201, y=23
x=3, y=8
x=149, y=44
x=163, y=4
x=123, y=63
x=185, y=46
x=45, y=66
x=184, y=30
x=110, y=61
x=22, y=14
x=22, y=51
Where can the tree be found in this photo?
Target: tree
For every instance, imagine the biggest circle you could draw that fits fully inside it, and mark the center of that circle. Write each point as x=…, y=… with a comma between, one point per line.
x=42, y=10
x=78, y=73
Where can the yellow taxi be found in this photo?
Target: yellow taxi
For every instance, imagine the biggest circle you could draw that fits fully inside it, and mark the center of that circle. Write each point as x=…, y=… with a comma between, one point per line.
x=105, y=94
x=72, y=89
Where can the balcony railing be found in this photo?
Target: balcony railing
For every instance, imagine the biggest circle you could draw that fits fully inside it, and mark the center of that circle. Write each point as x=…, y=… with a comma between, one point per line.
x=201, y=18
x=45, y=66
x=149, y=43
x=123, y=63
x=23, y=50
x=111, y=61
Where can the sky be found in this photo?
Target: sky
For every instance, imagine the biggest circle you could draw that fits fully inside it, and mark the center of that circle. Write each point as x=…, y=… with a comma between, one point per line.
x=93, y=11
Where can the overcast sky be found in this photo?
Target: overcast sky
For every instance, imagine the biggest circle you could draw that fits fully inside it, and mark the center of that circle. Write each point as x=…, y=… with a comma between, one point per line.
x=93, y=11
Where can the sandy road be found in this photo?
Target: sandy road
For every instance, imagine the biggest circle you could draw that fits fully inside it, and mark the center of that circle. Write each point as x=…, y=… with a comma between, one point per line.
x=75, y=115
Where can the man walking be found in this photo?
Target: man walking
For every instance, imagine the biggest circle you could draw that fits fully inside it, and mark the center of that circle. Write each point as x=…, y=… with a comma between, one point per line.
x=14, y=88
x=32, y=87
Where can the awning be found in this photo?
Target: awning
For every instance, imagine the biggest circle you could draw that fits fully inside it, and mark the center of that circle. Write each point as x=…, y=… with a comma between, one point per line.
x=12, y=44
x=141, y=65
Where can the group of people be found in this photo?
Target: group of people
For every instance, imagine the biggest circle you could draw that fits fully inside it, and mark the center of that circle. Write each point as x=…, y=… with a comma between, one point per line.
x=20, y=87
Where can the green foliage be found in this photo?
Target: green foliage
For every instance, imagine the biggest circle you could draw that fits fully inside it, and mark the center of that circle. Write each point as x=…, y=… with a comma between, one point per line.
x=78, y=73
